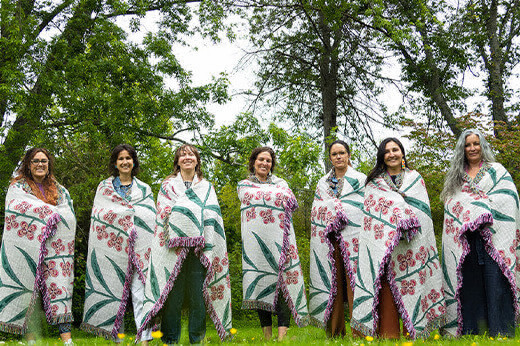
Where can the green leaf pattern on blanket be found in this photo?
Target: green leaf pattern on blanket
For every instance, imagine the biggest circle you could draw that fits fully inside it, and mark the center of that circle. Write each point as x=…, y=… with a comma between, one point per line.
x=413, y=265
x=263, y=213
x=113, y=219
x=494, y=192
x=194, y=216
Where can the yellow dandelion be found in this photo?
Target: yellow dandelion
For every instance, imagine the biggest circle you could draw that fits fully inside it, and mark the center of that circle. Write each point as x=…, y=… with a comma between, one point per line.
x=157, y=334
x=233, y=331
x=121, y=335
x=369, y=338
x=436, y=337
x=362, y=345
x=252, y=338
x=491, y=338
x=474, y=344
x=408, y=343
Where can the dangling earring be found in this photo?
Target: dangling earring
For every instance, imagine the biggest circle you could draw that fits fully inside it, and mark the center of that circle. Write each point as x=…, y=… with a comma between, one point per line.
x=403, y=164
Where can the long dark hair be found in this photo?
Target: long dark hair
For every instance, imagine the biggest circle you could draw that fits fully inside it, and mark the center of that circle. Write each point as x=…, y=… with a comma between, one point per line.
x=380, y=166
x=115, y=154
x=48, y=183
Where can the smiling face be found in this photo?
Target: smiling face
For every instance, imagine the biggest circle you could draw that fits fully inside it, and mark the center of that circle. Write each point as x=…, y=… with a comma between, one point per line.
x=393, y=157
x=339, y=157
x=187, y=161
x=472, y=149
x=39, y=167
x=263, y=164
x=124, y=163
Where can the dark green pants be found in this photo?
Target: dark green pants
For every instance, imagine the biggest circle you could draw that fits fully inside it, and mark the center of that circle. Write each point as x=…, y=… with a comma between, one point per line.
x=187, y=287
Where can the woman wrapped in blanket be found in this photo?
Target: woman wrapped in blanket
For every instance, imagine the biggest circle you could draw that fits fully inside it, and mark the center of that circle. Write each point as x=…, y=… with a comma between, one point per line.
x=336, y=217
x=272, y=275
x=121, y=231
x=189, y=260
x=481, y=240
x=398, y=272
x=37, y=252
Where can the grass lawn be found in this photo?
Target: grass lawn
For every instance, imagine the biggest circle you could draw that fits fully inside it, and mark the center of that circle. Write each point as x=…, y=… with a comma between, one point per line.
x=304, y=336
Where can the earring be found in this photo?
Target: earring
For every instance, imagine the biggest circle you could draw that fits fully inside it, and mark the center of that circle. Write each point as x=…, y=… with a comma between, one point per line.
x=403, y=164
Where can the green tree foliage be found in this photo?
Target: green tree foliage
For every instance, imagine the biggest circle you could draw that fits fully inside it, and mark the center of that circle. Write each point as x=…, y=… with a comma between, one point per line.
x=438, y=42
x=318, y=65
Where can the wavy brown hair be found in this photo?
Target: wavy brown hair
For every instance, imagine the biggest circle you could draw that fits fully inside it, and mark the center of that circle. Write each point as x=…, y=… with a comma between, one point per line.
x=178, y=153
x=49, y=182
x=254, y=155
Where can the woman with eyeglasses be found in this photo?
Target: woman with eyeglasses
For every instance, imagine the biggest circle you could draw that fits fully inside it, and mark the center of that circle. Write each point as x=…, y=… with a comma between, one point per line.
x=121, y=233
x=37, y=252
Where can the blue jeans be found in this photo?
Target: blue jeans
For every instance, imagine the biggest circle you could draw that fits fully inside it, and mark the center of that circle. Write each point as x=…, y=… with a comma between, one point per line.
x=187, y=286
x=486, y=297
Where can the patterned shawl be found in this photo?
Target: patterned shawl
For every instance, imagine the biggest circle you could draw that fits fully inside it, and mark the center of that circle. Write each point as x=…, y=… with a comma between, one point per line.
x=37, y=258
x=398, y=236
x=333, y=220
x=189, y=218
x=121, y=233
x=270, y=261
x=487, y=204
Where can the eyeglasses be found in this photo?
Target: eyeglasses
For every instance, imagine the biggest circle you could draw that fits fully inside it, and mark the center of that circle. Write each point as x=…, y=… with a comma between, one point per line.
x=36, y=162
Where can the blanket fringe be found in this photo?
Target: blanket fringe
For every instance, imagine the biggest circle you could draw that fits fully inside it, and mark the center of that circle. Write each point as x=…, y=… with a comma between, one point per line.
x=128, y=282
x=332, y=232
x=409, y=227
x=164, y=294
x=196, y=242
x=97, y=331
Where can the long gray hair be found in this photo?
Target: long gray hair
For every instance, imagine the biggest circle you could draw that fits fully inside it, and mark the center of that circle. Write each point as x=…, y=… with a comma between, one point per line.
x=455, y=175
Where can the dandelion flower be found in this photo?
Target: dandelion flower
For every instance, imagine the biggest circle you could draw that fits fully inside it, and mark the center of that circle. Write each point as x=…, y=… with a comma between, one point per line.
x=491, y=338
x=369, y=338
x=121, y=335
x=408, y=343
x=474, y=344
x=436, y=337
x=157, y=334
x=233, y=331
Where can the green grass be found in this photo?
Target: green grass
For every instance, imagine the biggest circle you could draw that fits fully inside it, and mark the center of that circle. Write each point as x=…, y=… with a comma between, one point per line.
x=246, y=334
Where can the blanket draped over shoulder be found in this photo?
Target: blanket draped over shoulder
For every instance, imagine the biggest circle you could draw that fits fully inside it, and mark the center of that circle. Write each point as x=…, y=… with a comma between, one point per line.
x=270, y=261
x=121, y=233
x=189, y=218
x=398, y=240
x=333, y=220
x=37, y=258
x=487, y=204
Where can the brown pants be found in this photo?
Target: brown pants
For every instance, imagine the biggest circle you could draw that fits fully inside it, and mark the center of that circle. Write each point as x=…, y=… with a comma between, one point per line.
x=388, y=315
x=336, y=323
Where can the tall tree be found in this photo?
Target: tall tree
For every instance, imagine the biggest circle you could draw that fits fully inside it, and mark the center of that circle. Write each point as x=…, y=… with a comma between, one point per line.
x=317, y=65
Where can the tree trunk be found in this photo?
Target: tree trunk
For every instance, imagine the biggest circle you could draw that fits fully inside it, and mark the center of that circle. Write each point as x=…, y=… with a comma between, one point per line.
x=329, y=66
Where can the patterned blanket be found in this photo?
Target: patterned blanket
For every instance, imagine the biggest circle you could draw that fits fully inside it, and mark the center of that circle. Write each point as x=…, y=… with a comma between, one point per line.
x=270, y=261
x=121, y=233
x=488, y=204
x=333, y=220
x=398, y=239
x=189, y=218
x=37, y=258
